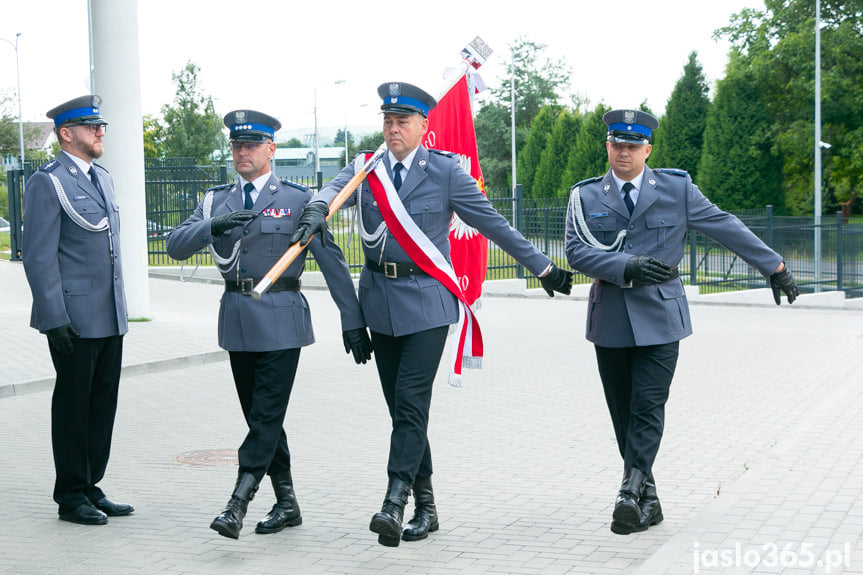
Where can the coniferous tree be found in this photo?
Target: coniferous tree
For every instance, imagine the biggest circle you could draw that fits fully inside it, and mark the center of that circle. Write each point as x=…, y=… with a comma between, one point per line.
x=587, y=156
x=738, y=169
x=548, y=180
x=678, y=141
x=536, y=142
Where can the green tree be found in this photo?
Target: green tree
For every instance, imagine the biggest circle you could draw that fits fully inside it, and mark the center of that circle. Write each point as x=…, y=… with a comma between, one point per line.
x=537, y=84
x=776, y=46
x=587, y=156
x=371, y=142
x=339, y=141
x=738, y=169
x=537, y=140
x=548, y=180
x=678, y=141
x=10, y=132
x=154, y=138
x=292, y=143
x=493, y=144
x=192, y=127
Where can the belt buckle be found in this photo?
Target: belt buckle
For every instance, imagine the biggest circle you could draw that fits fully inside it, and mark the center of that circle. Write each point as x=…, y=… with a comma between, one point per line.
x=246, y=286
x=390, y=270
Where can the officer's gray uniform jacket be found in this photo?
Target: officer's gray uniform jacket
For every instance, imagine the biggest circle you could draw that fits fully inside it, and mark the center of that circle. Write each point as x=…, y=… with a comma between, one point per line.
x=668, y=204
x=435, y=187
x=73, y=275
x=279, y=320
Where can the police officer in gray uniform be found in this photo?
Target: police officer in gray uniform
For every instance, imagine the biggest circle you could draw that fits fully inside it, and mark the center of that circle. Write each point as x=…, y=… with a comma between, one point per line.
x=248, y=225
x=408, y=310
x=628, y=229
x=71, y=256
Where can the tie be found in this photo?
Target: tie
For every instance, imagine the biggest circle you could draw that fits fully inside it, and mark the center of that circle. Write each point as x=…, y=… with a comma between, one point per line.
x=95, y=180
x=626, y=199
x=397, y=180
x=247, y=197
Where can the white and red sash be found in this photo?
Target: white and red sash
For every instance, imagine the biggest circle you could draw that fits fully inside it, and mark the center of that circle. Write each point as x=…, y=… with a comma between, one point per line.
x=426, y=255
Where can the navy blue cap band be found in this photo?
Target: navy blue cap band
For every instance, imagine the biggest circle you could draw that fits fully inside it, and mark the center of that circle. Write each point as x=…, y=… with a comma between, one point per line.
x=61, y=119
x=403, y=100
x=256, y=127
x=638, y=128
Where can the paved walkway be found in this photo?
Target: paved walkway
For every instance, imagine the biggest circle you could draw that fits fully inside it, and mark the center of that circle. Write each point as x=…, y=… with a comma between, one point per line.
x=761, y=469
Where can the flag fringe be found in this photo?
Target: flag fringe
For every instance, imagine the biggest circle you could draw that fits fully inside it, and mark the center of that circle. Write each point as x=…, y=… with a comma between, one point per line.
x=471, y=362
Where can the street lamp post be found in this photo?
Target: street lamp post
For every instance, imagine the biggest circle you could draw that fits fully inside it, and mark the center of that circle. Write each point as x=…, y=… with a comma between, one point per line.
x=317, y=161
x=338, y=82
x=317, y=150
x=817, y=191
x=512, y=104
x=20, y=118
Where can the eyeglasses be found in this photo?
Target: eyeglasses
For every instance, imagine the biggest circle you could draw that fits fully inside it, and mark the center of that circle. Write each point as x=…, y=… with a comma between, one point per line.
x=239, y=145
x=94, y=128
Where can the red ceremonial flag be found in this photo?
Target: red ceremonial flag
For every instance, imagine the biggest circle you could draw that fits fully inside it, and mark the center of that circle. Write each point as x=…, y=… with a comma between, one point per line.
x=451, y=129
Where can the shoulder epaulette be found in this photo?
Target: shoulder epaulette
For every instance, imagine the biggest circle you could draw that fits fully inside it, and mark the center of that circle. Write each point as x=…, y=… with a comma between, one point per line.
x=300, y=187
x=221, y=187
x=50, y=166
x=674, y=171
x=442, y=153
x=587, y=181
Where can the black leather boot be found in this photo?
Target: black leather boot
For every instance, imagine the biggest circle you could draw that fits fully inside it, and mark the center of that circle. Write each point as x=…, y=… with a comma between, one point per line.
x=286, y=511
x=387, y=523
x=651, y=510
x=425, y=512
x=626, y=518
x=230, y=520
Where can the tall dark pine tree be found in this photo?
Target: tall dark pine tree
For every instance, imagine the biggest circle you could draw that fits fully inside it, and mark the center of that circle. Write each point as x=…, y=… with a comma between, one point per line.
x=537, y=140
x=548, y=181
x=587, y=155
x=738, y=169
x=678, y=141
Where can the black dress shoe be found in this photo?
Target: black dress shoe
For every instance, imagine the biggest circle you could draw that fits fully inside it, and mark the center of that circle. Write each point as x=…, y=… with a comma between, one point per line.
x=85, y=514
x=112, y=509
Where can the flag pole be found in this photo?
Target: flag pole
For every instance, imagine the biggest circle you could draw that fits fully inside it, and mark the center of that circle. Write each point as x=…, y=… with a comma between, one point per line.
x=474, y=54
x=291, y=254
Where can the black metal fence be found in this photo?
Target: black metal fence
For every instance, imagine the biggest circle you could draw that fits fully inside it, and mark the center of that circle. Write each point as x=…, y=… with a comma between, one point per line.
x=174, y=187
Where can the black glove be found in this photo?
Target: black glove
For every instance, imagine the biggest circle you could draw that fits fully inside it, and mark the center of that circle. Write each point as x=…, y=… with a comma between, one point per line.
x=646, y=270
x=784, y=281
x=60, y=338
x=313, y=221
x=557, y=280
x=357, y=342
x=221, y=224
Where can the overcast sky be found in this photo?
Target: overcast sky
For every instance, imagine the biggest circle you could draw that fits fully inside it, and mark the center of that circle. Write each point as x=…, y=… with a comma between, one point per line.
x=270, y=55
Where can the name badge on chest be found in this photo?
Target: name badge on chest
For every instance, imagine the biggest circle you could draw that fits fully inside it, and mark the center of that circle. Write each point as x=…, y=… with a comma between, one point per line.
x=276, y=212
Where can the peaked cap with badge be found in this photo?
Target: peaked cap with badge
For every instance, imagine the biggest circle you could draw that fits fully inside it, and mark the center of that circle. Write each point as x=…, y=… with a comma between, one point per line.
x=404, y=98
x=629, y=126
x=251, y=126
x=81, y=110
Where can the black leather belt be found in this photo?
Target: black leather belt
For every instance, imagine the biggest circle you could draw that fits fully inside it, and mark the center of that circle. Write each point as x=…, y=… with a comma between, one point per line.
x=245, y=286
x=635, y=283
x=393, y=270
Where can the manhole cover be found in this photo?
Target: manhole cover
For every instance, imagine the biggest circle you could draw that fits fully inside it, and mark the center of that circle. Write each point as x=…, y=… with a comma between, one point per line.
x=208, y=457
